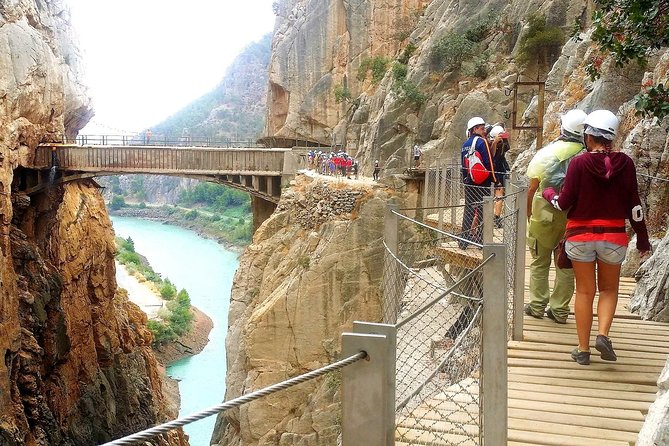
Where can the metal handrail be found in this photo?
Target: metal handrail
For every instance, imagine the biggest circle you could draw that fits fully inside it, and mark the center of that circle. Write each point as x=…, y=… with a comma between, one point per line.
x=236, y=402
x=426, y=226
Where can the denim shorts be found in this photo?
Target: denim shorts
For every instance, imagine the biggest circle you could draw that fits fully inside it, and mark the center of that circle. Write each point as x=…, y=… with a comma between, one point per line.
x=607, y=252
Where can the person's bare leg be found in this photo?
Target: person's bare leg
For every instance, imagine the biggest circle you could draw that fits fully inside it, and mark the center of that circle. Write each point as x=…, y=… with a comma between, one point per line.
x=608, y=279
x=584, y=272
x=499, y=203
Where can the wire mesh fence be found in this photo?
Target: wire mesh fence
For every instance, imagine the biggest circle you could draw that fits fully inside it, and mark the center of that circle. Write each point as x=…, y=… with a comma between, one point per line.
x=458, y=209
x=433, y=276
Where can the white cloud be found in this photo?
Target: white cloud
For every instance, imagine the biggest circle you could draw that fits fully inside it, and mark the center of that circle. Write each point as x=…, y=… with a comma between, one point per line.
x=145, y=59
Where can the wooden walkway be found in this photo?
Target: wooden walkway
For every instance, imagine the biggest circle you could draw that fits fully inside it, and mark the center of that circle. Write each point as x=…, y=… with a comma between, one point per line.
x=554, y=401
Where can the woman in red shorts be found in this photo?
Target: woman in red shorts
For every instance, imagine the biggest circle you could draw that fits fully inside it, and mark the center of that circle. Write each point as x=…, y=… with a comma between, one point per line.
x=599, y=193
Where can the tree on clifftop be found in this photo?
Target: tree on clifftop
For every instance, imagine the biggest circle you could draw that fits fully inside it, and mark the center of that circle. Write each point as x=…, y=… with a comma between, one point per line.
x=630, y=30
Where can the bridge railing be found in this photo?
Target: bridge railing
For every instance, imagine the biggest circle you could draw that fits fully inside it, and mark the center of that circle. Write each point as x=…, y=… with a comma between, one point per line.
x=161, y=159
x=162, y=140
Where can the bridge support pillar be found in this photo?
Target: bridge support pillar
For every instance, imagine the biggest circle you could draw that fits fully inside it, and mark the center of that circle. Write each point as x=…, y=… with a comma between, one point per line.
x=262, y=209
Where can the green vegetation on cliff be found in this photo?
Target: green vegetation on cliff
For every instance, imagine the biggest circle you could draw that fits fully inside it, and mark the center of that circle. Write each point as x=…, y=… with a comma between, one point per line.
x=177, y=318
x=630, y=31
x=235, y=109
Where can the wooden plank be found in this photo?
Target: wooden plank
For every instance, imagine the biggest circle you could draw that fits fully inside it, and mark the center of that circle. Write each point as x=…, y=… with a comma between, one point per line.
x=546, y=439
x=586, y=421
x=596, y=363
x=618, y=328
x=518, y=348
x=584, y=392
x=466, y=258
x=590, y=411
x=561, y=380
x=578, y=400
x=566, y=339
x=590, y=375
x=555, y=428
x=565, y=355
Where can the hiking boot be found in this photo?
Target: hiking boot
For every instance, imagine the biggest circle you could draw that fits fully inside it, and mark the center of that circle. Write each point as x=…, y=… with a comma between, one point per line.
x=583, y=358
x=528, y=311
x=604, y=346
x=553, y=317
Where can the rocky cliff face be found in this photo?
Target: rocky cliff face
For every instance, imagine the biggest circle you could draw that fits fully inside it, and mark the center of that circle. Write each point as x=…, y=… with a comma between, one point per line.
x=319, y=46
x=78, y=368
x=313, y=268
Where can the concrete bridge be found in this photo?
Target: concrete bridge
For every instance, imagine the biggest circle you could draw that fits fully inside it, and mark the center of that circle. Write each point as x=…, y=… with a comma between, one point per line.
x=259, y=171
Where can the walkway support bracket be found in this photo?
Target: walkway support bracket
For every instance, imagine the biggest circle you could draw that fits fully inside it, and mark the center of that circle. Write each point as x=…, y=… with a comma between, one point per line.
x=520, y=204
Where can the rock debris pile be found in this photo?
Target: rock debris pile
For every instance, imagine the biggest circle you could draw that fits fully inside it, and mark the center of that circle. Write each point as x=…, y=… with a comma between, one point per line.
x=318, y=202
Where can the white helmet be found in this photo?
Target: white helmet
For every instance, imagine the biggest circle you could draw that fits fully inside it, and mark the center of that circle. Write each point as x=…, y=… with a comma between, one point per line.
x=496, y=131
x=473, y=122
x=601, y=123
x=572, y=122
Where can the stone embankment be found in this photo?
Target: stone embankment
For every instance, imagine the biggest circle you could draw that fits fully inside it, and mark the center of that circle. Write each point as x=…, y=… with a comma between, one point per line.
x=323, y=202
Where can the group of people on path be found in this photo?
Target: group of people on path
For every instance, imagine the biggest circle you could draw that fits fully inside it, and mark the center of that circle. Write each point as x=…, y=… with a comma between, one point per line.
x=583, y=191
x=484, y=164
x=333, y=163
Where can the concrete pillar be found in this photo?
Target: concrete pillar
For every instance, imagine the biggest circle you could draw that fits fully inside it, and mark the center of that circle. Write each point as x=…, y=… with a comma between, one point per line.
x=262, y=209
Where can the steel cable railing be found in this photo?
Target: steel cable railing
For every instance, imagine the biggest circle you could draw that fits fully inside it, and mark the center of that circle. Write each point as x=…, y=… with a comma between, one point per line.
x=446, y=292
x=180, y=422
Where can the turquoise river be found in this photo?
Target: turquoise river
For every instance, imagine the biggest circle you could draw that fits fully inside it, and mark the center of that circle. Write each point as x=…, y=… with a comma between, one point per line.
x=205, y=269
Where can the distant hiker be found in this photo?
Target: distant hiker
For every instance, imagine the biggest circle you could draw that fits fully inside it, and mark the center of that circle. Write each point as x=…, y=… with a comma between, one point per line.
x=147, y=137
x=377, y=169
x=354, y=168
x=600, y=192
x=546, y=225
x=499, y=142
x=416, y=155
x=477, y=175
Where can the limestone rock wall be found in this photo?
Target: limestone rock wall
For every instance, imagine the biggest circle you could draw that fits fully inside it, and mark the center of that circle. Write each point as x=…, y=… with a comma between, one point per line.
x=313, y=268
x=78, y=368
x=319, y=45
x=379, y=123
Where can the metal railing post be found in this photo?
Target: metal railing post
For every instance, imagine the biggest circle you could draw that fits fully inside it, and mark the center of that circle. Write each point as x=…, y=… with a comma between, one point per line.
x=441, y=196
x=391, y=222
x=454, y=194
x=365, y=392
x=392, y=278
x=520, y=205
x=494, y=345
x=488, y=220
x=388, y=409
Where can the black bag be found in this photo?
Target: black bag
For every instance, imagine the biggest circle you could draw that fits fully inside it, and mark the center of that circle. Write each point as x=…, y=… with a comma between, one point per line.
x=563, y=262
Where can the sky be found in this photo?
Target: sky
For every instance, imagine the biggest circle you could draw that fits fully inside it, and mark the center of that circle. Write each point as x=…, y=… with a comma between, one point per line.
x=144, y=60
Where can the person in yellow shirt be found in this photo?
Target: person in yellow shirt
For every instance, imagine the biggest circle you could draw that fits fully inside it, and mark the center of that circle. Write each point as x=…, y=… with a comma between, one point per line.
x=546, y=225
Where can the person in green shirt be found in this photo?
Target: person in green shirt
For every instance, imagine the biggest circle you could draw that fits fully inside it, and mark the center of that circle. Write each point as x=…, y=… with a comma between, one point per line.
x=546, y=225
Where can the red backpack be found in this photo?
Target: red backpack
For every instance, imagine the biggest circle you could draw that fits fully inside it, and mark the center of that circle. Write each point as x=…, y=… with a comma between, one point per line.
x=474, y=164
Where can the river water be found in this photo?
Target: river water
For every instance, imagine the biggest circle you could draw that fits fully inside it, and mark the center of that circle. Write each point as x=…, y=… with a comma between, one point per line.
x=205, y=269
